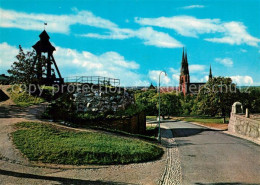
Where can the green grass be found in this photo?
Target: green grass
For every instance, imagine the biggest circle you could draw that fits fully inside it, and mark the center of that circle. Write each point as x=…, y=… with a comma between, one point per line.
x=205, y=119
x=151, y=117
x=22, y=98
x=45, y=143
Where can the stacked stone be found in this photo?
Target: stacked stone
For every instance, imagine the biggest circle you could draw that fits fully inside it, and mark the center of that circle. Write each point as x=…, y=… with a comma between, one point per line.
x=100, y=100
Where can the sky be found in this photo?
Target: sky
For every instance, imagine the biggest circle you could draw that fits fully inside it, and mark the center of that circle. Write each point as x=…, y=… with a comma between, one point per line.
x=134, y=40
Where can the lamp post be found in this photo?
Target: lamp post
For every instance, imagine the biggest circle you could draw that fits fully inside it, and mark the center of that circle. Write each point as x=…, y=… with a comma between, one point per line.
x=159, y=130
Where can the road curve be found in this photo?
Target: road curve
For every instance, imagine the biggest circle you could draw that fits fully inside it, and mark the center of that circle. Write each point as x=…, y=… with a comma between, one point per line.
x=211, y=157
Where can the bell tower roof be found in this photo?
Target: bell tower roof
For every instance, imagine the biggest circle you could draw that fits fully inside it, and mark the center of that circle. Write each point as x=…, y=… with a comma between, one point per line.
x=44, y=45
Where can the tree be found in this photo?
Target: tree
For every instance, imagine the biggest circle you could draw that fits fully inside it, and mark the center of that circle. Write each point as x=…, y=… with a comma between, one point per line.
x=217, y=96
x=250, y=98
x=23, y=71
x=170, y=104
x=188, y=104
x=148, y=100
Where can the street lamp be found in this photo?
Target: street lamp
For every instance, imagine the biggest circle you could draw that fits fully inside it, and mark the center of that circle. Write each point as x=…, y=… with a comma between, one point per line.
x=159, y=131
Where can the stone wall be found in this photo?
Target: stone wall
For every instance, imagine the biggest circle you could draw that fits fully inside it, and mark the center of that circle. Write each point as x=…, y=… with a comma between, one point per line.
x=241, y=125
x=97, y=99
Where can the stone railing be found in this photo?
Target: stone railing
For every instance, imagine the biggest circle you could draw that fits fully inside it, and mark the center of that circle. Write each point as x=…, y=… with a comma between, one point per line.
x=241, y=125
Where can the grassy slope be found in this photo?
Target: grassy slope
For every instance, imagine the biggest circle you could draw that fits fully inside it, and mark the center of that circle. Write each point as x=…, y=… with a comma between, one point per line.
x=40, y=142
x=24, y=99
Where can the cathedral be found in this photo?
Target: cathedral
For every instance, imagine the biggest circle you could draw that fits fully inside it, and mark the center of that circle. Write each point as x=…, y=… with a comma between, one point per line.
x=185, y=86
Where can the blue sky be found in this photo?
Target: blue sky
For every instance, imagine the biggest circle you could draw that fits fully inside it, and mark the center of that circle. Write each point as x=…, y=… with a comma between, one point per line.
x=134, y=40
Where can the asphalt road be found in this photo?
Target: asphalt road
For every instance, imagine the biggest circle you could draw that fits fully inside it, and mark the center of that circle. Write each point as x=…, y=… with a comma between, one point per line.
x=213, y=157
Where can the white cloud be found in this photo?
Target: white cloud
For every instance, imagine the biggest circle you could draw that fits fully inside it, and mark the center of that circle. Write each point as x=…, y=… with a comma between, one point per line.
x=150, y=37
x=225, y=61
x=193, y=6
x=62, y=24
x=156, y=38
x=243, y=50
x=56, y=23
x=184, y=25
x=74, y=63
x=109, y=64
x=7, y=56
x=242, y=80
x=154, y=76
x=234, y=33
x=199, y=78
x=196, y=68
x=175, y=79
x=172, y=70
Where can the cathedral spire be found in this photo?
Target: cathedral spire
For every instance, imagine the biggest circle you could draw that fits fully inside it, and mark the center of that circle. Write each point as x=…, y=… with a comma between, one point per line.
x=184, y=63
x=210, y=73
x=183, y=59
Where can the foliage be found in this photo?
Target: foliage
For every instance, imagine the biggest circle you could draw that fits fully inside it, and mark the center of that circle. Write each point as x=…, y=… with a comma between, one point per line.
x=250, y=98
x=23, y=71
x=170, y=103
x=217, y=96
x=48, y=93
x=45, y=143
x=189, y=104
x=4, y=80
x=63, y=108
x=148, y=100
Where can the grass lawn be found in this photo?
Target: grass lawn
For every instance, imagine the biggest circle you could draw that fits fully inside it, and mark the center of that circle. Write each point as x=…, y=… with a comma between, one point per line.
x=48, y=144
x=151, y=117
x=204, y=119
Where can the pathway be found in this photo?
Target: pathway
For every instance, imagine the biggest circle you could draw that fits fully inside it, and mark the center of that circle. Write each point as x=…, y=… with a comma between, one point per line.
x=209, y=157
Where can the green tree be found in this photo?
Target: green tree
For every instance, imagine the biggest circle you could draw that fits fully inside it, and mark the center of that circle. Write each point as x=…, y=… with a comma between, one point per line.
x=170, y=104
x=23, y=71
x=148, y=100
x=250, y=98
x=217, y=96
x=188, y=104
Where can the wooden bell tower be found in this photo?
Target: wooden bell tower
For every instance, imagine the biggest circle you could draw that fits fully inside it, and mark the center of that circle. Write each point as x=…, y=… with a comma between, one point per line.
x=44, y=46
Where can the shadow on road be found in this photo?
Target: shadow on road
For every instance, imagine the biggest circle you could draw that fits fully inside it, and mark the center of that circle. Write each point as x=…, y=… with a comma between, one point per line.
x=64, y=181
x=185, y=132
x=182, y=132
x=14, y=111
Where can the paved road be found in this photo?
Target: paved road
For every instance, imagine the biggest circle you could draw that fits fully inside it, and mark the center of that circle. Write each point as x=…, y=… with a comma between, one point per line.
x=212, y=157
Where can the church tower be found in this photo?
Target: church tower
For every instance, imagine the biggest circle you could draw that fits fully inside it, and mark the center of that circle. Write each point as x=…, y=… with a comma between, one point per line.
x=184, y=76
x=210, y=73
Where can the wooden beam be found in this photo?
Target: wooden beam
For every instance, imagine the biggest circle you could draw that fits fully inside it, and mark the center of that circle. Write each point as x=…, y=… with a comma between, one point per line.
x=56, y=66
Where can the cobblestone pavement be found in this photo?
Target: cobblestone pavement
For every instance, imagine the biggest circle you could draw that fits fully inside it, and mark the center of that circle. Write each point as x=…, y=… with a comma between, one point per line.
x=172, y=172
